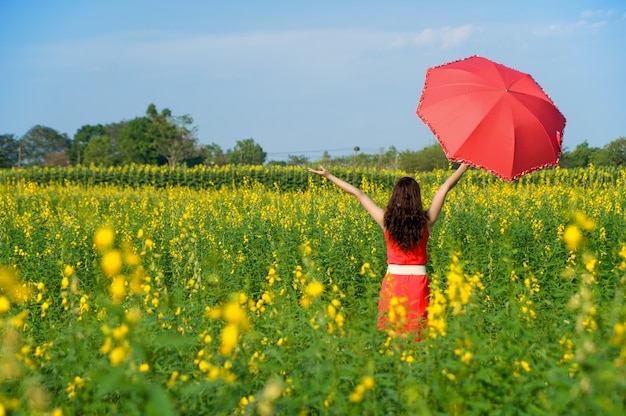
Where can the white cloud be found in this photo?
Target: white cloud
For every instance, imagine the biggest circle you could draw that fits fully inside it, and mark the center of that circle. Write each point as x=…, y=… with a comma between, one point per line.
x=597, y=14
x=444, y=37
x=231, y=54
x=565, y=29
x=309, y=62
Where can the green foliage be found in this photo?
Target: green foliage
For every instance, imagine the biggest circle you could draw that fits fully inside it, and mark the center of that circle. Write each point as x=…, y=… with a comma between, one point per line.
x=174, y=138
x=136, y=142
x=42, y=145
x=8, y=150
x=82, y=138
x=246, y=152
x=427, y=159
x=616, y=151
x=613, y=154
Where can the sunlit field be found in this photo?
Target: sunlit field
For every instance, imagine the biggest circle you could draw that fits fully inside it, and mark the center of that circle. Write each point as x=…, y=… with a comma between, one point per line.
x=250, y=299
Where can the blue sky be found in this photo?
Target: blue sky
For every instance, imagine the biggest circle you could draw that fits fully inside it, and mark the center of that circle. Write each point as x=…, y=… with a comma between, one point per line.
x=299, y=77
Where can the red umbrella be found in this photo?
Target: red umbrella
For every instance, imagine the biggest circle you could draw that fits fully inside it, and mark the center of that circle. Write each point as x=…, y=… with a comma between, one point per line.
x=492, y=117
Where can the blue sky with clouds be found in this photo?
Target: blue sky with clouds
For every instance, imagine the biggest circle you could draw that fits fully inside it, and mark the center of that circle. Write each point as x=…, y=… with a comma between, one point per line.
x=299, y=77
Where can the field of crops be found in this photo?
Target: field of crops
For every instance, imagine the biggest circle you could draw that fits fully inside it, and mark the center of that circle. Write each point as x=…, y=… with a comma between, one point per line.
x=250, y=299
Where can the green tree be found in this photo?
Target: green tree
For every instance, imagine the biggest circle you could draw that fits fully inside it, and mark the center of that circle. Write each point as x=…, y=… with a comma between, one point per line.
x=580, y=157
x=600, y=157
x=215, y=156
x=326, y=158
x=81, y=140
x=293, y=160
x=407, y=160
x=276, y=163
x=431, y=157
x=43, y=145
x=101, y=151
x=8, y=150
x=136, y=141
x=175, y=137
x=388, y=159
x=617, y=151
x=427, y=159
x=246, y=152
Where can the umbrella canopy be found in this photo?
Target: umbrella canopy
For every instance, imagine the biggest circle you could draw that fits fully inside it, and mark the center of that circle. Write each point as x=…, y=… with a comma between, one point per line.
x=491, y=117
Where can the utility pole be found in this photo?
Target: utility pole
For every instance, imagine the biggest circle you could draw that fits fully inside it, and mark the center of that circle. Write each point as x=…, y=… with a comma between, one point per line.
x=19, y=161
x=356, y=151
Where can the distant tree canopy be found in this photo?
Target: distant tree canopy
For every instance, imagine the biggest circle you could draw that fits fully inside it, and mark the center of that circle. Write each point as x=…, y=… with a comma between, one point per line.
x=162, y=138
x=175, y=138
x=613, y=154
x=8, y=150
x=246, y=152
x=43, y=145
x=214, y=155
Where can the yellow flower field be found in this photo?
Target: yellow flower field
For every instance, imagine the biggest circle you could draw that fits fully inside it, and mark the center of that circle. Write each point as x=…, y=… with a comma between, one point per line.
x=250, y=299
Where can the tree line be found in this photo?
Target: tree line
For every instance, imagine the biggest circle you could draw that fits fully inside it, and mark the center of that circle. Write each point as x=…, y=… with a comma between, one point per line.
x=162, y=138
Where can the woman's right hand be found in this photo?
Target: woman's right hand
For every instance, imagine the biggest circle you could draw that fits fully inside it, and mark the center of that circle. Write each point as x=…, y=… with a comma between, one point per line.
x=322, y=172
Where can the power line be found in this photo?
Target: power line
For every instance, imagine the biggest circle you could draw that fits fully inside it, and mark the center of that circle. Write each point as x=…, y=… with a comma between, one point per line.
x=289, y=153
x=309, y=151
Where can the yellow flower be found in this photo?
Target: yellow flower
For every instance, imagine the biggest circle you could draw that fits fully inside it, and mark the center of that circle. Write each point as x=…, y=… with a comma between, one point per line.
x=106, y=347
x=104, y=238
x=573, y=237
x=356, y=397
x=132, y=259
x=235, y=314
x=143, y=368
x=230, y=337
x=68, y=271
x=590, y=264
x=306, y=249
x=5, y=305
x=11, y=286
x=368, y=382
x=585, y=222
x=117, y=355
x=243, y=298
x=172, y=380
x=133, y=315
x=111, y=263
x=525, y=366
x=118, y=289
x=314, y=289
x=44, y=308
x=332, y=311
x=120, y=332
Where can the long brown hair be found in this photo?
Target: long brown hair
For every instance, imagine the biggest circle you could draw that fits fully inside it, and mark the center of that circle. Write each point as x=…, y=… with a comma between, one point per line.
x=405, y=218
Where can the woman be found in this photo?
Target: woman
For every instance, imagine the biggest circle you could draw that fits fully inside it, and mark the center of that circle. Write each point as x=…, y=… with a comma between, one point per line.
x=406, y=225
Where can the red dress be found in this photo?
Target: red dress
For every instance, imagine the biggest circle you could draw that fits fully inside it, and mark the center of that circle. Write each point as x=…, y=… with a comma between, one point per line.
x=404, y=297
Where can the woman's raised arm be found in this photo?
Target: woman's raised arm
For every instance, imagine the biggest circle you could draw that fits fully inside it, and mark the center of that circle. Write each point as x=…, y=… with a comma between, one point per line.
x=440, y=196
x=370, y=206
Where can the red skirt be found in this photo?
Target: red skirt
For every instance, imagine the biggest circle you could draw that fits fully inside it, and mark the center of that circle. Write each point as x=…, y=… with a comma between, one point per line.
x=403, y=303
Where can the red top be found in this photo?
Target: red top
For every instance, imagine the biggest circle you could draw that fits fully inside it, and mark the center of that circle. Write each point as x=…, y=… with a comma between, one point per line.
x=417, y=255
